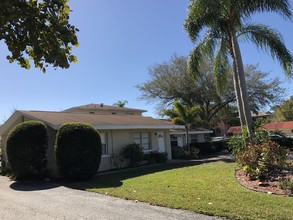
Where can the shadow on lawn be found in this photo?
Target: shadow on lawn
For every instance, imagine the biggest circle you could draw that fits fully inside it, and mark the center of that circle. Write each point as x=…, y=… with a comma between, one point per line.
x=115, y=178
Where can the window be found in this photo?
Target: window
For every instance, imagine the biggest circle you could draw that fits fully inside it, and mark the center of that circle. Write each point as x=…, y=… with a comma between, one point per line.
x=143, y=139
x=104, y=140
x=174, y=141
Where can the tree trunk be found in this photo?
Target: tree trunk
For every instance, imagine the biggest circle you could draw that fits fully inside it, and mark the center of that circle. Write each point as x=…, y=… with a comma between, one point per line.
x=238, y=95
x=187, y=139
x=237, y=61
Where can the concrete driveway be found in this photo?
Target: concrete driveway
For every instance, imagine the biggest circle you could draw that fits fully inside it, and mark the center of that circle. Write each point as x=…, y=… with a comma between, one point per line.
x=49, y=201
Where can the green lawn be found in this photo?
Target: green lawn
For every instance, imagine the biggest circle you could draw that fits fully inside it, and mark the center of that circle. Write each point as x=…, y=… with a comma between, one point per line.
x=208, y=188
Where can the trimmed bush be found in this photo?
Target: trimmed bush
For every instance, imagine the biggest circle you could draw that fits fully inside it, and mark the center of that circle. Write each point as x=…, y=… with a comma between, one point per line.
x=260, y=160
x=27, y=145
x=156, y=157
x=78, y=151
x=133, y=152
x=205, y=148
x=177, y=152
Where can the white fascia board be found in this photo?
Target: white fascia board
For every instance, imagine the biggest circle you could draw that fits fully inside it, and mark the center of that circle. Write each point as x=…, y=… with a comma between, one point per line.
x=125, y=127
x=192, y=132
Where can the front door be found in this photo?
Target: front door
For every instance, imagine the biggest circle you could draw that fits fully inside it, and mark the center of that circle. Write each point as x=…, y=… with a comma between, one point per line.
x=161, y=142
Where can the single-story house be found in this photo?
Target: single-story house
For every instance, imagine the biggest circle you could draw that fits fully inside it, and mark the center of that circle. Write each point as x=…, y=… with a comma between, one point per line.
x=118, y=127
x=178, y=136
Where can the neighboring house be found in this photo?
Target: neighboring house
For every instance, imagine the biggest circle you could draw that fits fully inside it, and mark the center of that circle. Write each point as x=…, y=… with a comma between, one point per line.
x=234, y=130
x=118, y=127
x=266, y=116
x=177, y=136
x=286, y=127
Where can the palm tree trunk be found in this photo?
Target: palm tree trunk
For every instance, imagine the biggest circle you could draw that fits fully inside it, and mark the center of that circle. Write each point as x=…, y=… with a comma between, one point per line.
x=238, y=95
x=237, y=61
x=187, y=138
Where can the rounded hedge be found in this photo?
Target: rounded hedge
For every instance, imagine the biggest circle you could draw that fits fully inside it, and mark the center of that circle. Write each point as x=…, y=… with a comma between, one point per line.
x=27, y=145
x=78, y=150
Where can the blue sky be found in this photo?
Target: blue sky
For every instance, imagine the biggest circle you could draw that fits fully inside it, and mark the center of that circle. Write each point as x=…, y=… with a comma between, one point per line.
x=119, y=40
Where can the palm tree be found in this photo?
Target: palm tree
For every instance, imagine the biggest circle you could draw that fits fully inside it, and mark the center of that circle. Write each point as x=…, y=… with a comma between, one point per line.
x=120, y=103
x=183, y=115
x=224, y=22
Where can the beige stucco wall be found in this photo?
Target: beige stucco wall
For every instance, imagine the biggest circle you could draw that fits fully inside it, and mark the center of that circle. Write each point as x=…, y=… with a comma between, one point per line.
x=117, y=139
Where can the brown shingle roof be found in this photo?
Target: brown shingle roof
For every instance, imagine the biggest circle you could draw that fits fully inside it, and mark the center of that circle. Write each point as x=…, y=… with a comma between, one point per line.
x=279, y=125
x=55, y=119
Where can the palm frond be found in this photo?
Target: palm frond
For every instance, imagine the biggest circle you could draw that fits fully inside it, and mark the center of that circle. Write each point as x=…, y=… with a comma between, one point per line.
x=221, y=66
x=201, y=13
x=269, y=39
x=180, y=109
x=171, y=113
x=203, y=50
x=281, y=7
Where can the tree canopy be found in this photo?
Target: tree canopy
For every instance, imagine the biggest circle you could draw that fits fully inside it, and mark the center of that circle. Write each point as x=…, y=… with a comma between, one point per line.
x=38, y=31
x=216, y=26
x=171, y=81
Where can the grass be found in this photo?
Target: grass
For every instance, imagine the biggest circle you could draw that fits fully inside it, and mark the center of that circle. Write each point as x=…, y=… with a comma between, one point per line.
x=209, y=188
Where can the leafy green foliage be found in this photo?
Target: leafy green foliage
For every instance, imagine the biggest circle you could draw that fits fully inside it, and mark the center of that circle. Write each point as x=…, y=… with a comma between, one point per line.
x=183, y=115
x=284, y=112
x=78, y=150
x=259, y=160
x=156, y=157
x=221, y=23
x=39, y=31
x=238, y=143
x=133, y=152
x=26, y=150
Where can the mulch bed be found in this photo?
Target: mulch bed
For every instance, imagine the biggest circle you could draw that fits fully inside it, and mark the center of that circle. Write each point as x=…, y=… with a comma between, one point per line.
x=269, y=186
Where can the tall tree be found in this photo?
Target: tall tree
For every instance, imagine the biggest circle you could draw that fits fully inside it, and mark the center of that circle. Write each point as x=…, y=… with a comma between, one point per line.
x=183, y=115
x=223, y=22
x=170, y=81
x=39, y=31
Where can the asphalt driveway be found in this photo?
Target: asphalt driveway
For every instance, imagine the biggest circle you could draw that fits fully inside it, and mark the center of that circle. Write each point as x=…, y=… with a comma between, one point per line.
x=50, y=201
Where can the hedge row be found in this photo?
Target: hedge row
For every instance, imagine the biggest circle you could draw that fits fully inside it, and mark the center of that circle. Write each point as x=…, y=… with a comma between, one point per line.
x=78, y=150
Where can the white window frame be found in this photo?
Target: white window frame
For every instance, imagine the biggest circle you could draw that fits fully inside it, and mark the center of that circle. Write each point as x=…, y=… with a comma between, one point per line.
x=143, y=139
x=104, y=141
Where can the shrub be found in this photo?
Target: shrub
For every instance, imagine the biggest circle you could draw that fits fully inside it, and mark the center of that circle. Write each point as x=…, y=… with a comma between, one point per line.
x=205, y=148
x=27, y=145
x=177, y=152
x=238, y=143
x=133, y=152
x=259, y=160
x=78, y=150
x=116, y=161
x=286, y=185
x=192, y=154
x=156, y=157
x=219, y=146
